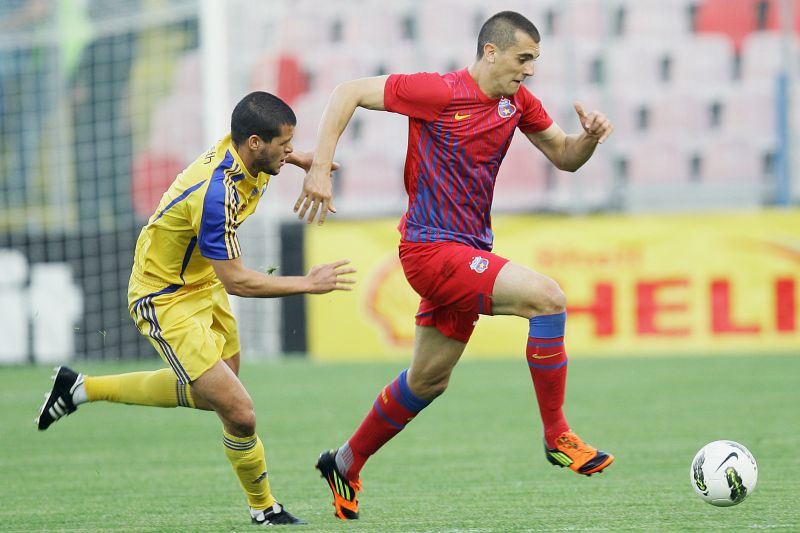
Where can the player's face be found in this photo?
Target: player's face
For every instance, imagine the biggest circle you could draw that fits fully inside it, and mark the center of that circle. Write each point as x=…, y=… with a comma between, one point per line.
x=271, y=156
x=514, y=64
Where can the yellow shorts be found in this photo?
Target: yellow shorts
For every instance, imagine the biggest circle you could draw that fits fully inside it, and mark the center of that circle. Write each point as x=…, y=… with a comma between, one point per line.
x=192, y=327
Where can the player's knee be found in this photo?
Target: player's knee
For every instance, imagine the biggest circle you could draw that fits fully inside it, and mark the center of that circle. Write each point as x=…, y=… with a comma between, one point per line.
x=551, y=299
x=242, y=420
x=430, y=387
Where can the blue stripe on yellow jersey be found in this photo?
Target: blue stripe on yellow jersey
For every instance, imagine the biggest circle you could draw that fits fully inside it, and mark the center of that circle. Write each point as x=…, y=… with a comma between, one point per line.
x=197, y=219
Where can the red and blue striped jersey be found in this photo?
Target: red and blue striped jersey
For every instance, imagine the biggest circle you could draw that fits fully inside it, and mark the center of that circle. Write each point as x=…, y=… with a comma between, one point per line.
x=457, y=138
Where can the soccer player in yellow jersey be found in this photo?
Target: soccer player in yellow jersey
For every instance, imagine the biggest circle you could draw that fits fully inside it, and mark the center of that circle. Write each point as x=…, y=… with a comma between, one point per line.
x=187, y=261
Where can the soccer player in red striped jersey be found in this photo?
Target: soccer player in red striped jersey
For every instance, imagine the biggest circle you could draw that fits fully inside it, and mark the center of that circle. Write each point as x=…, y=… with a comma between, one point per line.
x=460, y=127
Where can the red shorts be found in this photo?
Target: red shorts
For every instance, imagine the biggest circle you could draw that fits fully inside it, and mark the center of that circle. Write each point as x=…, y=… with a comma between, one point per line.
x=455, y=282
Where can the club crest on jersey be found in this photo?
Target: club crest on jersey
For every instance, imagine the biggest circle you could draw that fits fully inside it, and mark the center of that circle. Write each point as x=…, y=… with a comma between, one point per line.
x=479, y=264
x=505, y=108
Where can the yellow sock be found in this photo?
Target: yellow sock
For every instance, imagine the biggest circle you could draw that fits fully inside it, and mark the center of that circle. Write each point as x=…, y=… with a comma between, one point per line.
x=246, y=455
x=159, y=388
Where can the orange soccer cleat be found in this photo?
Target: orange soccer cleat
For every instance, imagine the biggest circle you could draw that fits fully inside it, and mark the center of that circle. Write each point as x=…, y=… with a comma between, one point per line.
x=582, y=458
x=344, y=491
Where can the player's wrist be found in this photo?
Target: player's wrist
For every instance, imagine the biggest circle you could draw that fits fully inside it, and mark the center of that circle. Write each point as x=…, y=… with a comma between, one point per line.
x=322, y=166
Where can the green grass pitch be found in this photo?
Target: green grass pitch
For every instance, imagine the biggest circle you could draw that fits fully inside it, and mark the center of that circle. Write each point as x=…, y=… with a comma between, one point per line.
x=472, y=462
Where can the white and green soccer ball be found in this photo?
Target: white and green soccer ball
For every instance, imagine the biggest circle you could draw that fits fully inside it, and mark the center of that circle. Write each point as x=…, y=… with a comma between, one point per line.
x=723, y=473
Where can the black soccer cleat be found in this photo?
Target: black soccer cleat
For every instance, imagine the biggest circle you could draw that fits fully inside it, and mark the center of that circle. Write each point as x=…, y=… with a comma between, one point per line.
x=344, y=491
x=58, y=402
x=277, y=515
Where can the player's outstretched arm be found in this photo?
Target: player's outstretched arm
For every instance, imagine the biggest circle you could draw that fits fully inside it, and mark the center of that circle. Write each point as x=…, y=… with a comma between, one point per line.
x=304, y=160
x=570, y=152
x=316, y=196
x=239, y=280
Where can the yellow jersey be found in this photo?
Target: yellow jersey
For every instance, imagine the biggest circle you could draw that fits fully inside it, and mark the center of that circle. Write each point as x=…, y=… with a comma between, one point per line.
x=197, y=219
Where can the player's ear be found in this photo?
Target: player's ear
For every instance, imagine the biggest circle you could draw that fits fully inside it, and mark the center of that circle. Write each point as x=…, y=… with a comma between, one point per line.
x=253, y=142
x=489, y=51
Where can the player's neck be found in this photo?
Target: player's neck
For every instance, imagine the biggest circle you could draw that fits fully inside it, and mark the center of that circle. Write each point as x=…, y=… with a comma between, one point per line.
x=480, y=73
x=247, y=159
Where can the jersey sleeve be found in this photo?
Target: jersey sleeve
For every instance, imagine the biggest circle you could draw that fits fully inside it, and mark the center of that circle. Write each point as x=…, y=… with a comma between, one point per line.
x=534, y=117
x=423, y=95
x=216, y=224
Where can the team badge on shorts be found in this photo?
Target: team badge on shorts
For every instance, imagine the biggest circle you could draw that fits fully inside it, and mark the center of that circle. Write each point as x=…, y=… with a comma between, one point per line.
x=505, y=108
x=479, y=264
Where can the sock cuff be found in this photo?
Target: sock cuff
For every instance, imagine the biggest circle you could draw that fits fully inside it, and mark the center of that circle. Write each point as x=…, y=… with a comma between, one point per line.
x=183, y=394
x=548, y=326
x=239, y=444
x=405, y=396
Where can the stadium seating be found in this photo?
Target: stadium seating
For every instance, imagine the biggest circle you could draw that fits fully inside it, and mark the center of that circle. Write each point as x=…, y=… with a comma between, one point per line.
x=632, y=113
x=303, y=26
x=567, y=62
x=587, y=18
x=734, y=18
x=736, y=161
x=655, y=160
x=641, y=63
x=447, y=21
x=702, y=60
x=383, y=132
x=373, y=22
x=369, y=183
x=765, y=54
x=522, y=179
x=656, y=18
x=738, y=18
x=593, y=187
x=308, y=109
x=152, y=174
x=686, y=110
x=280, y=73
x=776, y=18
x=750, y=110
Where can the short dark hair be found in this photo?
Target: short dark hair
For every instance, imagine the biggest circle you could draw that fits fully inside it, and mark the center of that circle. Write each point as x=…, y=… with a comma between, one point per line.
x=260, y=113
x=500, y=29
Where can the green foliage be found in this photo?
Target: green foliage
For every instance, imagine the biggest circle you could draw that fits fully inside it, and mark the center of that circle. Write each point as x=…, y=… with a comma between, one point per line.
x=471, y=462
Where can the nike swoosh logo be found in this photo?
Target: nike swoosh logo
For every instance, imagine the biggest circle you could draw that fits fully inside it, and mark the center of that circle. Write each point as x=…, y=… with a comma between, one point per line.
x=549, y=356
x=461, y=117
x=732, y=454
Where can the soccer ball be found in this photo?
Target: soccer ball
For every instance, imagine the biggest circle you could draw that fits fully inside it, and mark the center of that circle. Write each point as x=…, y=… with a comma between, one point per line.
x=723, y=473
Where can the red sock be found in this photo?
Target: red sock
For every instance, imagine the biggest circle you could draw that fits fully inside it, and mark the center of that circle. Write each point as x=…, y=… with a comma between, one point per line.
x=547, y=361
x=395, y=407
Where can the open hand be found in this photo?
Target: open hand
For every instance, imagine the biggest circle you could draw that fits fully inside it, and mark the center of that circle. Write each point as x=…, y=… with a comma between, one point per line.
x=316, y=196
x=328, y=277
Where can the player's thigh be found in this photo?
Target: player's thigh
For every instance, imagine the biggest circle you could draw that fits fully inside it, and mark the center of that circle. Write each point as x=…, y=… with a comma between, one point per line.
x=452, y=275
x=521, y=291
x=434, y=357
x=233, y=363
x=223, y=323
x=178, y=325
x=221, y=388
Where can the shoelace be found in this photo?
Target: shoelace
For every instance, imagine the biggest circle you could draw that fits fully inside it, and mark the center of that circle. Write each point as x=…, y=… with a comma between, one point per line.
x=572, y=441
